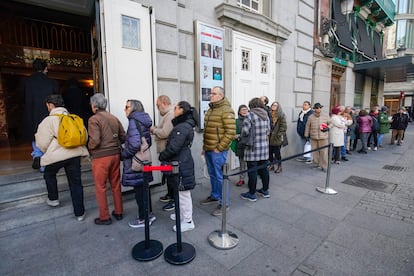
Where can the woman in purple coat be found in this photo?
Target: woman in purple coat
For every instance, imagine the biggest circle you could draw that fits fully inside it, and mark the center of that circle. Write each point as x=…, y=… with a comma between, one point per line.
x=365, y=124
x=137, y=117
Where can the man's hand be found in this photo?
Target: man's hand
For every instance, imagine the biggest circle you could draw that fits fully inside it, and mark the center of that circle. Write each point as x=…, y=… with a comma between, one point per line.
x=216, y=151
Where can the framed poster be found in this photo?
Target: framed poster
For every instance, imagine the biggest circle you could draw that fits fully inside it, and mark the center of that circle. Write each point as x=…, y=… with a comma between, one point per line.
x=209, y=63
x=131, y=33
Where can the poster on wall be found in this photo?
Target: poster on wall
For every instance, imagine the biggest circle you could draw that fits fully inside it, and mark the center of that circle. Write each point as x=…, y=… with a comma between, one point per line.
x=209, y=63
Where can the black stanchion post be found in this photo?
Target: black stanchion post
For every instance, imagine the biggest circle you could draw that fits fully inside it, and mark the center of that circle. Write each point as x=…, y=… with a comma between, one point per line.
x=178, y=253
x=223, y=239
x=147, y=250
x=326, y=189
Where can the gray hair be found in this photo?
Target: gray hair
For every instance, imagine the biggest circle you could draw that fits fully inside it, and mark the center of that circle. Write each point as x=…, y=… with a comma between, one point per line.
x=136, y=106
x=98, y=100
x=221, y=90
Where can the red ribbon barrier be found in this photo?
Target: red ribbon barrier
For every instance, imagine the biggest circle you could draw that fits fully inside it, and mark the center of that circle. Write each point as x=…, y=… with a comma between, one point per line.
x=158, y=168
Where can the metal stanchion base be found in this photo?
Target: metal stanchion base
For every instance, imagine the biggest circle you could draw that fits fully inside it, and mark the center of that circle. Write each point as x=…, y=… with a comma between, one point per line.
x=142, y=254
x=186, y=255
x=221, y=240
x=328, y=191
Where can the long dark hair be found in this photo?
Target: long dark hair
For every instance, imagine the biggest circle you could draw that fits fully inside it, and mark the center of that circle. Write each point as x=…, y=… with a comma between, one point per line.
x=189, y=110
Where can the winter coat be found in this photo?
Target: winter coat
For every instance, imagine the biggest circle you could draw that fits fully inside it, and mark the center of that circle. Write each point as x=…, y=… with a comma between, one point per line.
x=132, y=145
x=279, y=129
x=259, y=119
x=47, y=142
x=364, y=123
x=399, y=121
x=337, y=130
x=313, y=124
x=384, y=123
x=162, y=131
x=237, y=147
x=178, y=148
x=219, y=126
x=301, y=125
x=106, y=134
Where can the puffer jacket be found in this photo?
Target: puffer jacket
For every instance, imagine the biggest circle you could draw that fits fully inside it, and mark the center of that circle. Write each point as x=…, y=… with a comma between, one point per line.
x=301, y=125
x=279, y=129
x=132, y=145
x=219, y=126
x=178, y=148
x=45, y=136
x=365, y=124
x=384, y=123
x=313, y=130
x=106, y=134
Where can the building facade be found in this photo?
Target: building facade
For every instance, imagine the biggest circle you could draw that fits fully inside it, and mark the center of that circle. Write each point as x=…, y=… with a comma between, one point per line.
x=399, y=89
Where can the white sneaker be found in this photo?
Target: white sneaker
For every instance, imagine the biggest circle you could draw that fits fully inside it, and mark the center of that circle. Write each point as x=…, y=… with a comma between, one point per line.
x=53, y=203
x=172, y=216
x=81, y=218
x=185, y=226
x=375, y=149
x=369, y=148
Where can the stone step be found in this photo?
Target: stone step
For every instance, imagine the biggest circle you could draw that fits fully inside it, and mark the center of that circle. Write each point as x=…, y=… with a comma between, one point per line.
x=29, y=187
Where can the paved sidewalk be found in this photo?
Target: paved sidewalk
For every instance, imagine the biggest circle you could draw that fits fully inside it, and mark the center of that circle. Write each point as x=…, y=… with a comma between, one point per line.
x=297, y=231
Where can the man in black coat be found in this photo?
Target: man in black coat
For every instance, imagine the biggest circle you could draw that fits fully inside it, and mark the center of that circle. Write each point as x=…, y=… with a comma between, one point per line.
x=37, y=87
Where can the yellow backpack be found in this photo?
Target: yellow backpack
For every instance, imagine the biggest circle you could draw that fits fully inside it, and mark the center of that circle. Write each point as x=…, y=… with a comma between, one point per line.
x=72, y=132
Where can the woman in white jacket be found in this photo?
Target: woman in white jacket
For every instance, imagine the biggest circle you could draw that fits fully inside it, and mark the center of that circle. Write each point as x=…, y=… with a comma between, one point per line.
x=337, y=127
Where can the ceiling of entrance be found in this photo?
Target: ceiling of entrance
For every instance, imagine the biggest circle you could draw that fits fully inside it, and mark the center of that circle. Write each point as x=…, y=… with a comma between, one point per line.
x=79, y=7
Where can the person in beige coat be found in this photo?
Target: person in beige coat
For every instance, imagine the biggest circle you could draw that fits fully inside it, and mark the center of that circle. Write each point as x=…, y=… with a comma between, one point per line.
x=319, y=138
x=161, y=133
x=56, y=157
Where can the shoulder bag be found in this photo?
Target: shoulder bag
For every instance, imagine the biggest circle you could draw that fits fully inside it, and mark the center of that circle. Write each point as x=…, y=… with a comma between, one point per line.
x=144, y=152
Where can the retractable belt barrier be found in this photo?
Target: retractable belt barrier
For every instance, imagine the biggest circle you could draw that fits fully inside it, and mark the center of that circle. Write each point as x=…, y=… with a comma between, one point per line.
x=148, y=250
x=223, y=239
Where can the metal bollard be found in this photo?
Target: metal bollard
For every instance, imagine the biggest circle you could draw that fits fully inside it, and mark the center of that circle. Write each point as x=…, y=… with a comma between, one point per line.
x=147, y=250
x=223, y=239
x=178, y=253
x=326, y=189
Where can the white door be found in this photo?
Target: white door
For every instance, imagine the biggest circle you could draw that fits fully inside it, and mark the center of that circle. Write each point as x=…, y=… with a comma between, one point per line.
x=253, y=72
x=128, y=59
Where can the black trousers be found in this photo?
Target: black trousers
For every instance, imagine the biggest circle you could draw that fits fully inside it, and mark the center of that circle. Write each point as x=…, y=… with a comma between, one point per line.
x=72, y=168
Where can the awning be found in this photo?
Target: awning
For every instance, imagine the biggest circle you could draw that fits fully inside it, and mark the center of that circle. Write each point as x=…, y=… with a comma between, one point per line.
x=393, y=69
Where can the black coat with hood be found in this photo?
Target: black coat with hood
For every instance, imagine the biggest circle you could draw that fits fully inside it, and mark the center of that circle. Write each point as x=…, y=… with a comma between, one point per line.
x=178, y=148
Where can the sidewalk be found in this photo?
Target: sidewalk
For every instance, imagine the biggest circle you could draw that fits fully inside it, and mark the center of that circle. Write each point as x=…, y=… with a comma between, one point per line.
x=297, y=231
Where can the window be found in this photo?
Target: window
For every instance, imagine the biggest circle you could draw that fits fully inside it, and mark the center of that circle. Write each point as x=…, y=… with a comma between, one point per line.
x=264, y=64
x=253, y=5
x=245, y=60
x=401, y=34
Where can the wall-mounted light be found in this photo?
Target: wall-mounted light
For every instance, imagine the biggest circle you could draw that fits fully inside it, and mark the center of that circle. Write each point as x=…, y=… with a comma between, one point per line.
x=347, y=6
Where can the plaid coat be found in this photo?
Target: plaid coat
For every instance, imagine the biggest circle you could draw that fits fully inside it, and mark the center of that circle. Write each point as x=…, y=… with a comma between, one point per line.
x=257, y=118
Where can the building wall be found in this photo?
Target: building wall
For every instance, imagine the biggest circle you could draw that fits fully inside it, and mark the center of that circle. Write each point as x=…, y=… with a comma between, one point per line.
x=175, y=52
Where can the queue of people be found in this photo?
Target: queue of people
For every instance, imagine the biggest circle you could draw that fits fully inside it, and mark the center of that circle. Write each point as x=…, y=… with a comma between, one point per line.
x=256, y=137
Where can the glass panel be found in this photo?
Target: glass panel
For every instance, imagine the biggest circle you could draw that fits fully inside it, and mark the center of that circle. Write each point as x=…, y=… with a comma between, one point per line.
x=264, y=63
x=403, y=6
x=409, y=42
x=401, y=31
x=245, y=62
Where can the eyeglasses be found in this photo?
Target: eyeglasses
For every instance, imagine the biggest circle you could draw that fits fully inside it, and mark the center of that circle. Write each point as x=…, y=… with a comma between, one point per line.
x=214, y=94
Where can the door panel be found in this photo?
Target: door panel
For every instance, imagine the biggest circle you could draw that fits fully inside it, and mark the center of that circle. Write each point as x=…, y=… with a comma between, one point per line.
x=253, y=72
x=127, y=55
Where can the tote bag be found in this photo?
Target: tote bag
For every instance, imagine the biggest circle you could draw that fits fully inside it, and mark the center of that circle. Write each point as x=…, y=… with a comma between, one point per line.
x=306, y=148
x=143, y=154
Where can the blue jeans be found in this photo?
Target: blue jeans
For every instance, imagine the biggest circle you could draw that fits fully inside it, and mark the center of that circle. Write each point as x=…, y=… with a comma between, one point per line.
x=215, y=162
x=263, y=173
x=343, y=148
x=364, y=140
x=73, y=173
x=380, y=137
